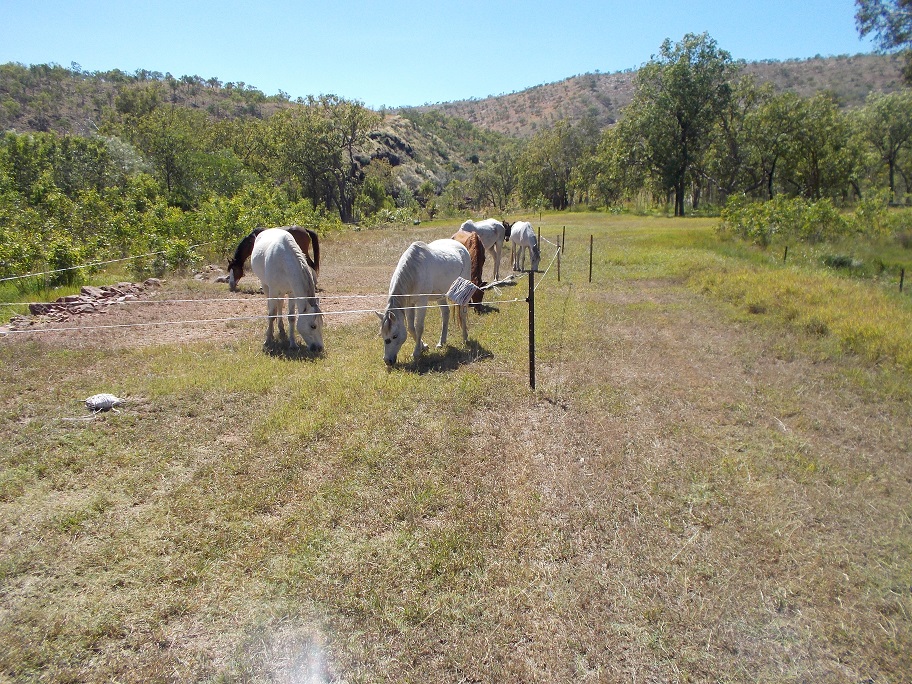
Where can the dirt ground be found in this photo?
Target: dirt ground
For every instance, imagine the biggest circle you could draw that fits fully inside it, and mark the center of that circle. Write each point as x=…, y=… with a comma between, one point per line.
x=188, y=310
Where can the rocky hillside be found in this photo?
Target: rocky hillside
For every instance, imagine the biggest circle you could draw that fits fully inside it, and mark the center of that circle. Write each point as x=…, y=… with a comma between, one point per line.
x=604, y=96
x=435, y=143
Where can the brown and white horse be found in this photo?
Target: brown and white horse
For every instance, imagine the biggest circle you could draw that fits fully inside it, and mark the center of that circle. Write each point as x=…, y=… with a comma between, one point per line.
x=473, y=243
x=492, y=233
x=282, y=269
x=305, y=238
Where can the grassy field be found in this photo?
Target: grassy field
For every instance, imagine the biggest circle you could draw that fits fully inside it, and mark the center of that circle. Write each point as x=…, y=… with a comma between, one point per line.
x=711, y=482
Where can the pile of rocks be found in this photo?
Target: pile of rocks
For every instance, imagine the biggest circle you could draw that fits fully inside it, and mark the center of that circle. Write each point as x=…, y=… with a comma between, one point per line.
x=90, y=300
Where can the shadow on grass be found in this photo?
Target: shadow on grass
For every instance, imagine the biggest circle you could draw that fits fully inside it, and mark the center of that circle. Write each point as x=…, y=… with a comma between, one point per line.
x=484, y=309
x=279, y=350
x=444, y=360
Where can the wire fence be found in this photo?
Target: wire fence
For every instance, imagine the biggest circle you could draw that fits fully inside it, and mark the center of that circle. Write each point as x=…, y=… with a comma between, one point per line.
x=95, y=263
x=218, y=301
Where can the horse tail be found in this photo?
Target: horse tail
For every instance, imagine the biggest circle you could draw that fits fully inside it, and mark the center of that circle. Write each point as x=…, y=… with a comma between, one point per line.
x=454, y=313
x=315, y=243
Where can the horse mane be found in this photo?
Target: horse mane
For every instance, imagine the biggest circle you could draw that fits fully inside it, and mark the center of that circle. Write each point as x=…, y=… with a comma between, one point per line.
x=311, y=237
x=404, y=279
x=244, y=248
x=305, y=267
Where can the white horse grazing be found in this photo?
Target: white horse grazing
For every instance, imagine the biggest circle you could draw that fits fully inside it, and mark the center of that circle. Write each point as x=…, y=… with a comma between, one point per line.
x=492, y=233
x=522, y=237
x=282, y=269
x=425, y=271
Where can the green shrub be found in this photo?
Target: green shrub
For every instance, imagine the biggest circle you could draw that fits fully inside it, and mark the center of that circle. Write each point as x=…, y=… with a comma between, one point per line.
x=62, y=257
x=792, y=219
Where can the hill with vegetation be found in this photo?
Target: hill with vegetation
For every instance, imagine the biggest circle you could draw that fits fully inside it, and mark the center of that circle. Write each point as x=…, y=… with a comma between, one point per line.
x=54, y=98
x=109, y=164
x=603, y=97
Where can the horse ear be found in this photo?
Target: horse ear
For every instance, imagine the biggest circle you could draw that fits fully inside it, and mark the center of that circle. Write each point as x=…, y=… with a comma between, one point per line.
x=379, y=314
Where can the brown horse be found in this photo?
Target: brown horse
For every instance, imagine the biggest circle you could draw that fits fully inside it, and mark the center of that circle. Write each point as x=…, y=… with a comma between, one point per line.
x=473, y=243
x=303, y=236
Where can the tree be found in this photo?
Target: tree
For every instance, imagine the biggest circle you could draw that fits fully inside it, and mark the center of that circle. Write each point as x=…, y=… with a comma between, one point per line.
x=602, y=173
x=495, y=183
x=175, y=141
x=891, y=22
x=315, y=144
x=678, y=99
x=549, y=159
x=820, y=160
x=886, y=125
x=730, y=162
x=350, y=123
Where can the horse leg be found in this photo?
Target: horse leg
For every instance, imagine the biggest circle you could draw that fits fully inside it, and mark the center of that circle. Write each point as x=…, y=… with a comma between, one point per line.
x=417, y=323
x=463, y=312
x=292, y=320
x=270, y=311
x=445, y=315
x=495, y=254
x=279, y=308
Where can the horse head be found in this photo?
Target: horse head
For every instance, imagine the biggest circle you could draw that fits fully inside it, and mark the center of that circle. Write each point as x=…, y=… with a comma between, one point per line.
x=310, y=326
x=478, y=295
x=393, y=332
x=536, y=257
x=507, y=226
x=235, y=273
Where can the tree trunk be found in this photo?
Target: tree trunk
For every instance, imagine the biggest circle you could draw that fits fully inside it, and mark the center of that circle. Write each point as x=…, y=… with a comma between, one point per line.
x=892, y=179
x=679, y=199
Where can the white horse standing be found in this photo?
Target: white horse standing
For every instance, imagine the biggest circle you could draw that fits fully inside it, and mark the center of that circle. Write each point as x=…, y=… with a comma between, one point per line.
x=424, y=271
x=522, y=237
x=492, y=233
x=282, y=269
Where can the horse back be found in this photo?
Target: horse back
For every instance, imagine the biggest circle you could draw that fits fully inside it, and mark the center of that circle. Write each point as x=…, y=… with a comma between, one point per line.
x=472, y=242
x=307, y=239
x=280, y=265
x=491, y=231
x=522, y=233
x=430, y=268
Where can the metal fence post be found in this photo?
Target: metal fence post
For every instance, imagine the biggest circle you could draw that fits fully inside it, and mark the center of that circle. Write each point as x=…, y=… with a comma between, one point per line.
x=531, y=300
x=590, y=258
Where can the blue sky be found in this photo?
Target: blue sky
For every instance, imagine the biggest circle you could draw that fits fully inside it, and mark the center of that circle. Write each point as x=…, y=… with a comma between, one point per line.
x=407, y=52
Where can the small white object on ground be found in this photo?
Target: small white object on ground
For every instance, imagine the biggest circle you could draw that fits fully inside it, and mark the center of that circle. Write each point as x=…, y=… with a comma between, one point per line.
x=102, y=402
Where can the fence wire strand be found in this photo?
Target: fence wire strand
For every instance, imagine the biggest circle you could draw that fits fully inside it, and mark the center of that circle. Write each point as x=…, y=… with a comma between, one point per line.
x=96, y=263
x=221, y=300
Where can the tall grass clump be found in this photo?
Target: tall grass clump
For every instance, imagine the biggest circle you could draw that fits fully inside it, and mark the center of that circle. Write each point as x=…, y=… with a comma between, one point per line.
x=861, y=319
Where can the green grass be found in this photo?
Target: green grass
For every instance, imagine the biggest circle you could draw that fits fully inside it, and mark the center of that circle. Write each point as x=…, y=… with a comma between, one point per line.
x=708, y=485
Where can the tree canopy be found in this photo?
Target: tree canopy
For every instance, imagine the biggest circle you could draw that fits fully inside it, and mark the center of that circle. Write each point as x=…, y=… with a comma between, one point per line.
x=680, y=95
x=891, y=23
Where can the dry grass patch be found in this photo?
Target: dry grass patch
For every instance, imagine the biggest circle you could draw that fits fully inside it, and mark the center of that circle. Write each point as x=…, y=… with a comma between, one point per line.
x=690, y=495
